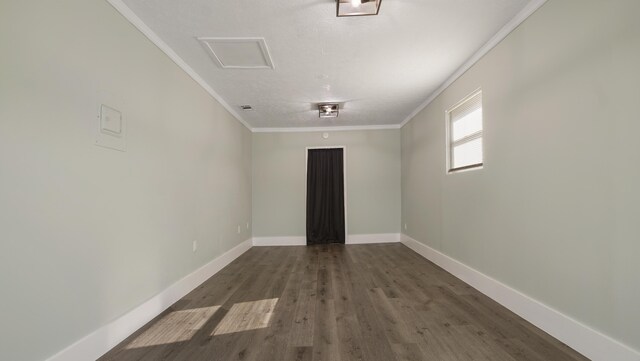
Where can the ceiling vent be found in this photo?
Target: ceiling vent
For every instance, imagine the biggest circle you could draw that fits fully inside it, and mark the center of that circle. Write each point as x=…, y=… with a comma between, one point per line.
x=239, y=53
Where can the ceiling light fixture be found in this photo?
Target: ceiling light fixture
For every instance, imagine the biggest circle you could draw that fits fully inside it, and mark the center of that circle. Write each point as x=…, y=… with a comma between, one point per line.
x=357, y=7
x=328, y=110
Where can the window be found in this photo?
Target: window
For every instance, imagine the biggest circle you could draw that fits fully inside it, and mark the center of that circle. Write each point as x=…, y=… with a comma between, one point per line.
x=464, y=133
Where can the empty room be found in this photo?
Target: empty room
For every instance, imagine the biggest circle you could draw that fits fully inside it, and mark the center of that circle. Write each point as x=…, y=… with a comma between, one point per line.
x=319, y=180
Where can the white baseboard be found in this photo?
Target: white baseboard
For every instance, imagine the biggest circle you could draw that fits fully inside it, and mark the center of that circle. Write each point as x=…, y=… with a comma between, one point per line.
x=280, y=241
x=105, y=338
x=373, y=238
x=351, y=239
x=581, y=338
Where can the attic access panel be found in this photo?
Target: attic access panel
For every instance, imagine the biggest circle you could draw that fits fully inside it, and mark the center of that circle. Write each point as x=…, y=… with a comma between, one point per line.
x=239, y=53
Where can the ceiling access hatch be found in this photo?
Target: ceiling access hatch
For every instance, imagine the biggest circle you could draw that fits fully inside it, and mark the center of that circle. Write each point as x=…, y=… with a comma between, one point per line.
x=239, y=53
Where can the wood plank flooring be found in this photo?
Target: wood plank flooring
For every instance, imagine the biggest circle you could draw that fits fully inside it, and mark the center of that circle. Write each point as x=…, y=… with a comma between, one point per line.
x=337, y=303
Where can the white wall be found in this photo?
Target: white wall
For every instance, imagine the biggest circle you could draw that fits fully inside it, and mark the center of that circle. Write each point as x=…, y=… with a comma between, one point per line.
x=554, y=212
x=373, y=181
x=88, y=233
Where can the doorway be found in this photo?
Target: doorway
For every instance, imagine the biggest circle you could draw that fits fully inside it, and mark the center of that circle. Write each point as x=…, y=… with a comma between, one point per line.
x=326, y=210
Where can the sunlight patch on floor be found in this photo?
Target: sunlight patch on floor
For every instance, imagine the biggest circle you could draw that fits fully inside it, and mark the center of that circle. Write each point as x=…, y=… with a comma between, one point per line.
x=247, y=316
x=176, y=326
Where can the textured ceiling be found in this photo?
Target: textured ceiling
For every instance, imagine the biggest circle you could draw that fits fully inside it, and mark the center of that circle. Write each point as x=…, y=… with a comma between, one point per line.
x=381, y=67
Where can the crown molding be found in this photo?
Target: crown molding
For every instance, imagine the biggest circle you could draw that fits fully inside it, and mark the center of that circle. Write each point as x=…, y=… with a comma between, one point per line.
x=527, y=11
x=326, y=129
x=128, y=14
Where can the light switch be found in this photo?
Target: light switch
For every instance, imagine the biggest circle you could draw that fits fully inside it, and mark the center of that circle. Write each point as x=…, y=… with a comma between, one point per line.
x=110, y=121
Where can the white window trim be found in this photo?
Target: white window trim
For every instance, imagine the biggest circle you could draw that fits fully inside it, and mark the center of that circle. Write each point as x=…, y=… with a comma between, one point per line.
x=449, y=145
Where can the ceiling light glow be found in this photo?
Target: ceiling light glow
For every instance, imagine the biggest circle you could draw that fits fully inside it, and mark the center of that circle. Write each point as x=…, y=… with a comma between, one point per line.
x=357, y=7
x=328, y=110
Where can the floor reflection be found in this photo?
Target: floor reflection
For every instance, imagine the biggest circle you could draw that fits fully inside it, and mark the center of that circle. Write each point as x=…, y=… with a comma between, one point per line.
x=246, y=316
x=176, y=326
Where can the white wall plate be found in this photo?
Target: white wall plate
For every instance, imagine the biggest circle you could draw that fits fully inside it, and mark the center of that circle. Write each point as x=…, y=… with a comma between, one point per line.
x=110, y=129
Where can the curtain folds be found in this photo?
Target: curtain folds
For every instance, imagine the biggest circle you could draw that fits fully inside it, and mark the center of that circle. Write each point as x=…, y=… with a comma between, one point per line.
x=325, y=196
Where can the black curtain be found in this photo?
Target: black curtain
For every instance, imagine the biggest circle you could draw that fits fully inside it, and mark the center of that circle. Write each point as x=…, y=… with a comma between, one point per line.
x=325, y=196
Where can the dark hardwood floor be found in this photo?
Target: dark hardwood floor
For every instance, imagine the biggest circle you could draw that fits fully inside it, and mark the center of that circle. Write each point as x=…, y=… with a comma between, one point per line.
x=357, y=302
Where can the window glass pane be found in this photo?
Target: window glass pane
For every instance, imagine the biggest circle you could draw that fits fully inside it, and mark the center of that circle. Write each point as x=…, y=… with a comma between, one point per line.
x=467, y=154
x=467, y=125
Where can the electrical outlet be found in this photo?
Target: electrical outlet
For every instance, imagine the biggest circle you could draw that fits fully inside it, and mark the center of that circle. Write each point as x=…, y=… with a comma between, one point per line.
x=405, y=226
x=247, y=225
x=239, y=229
x=195, y=246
